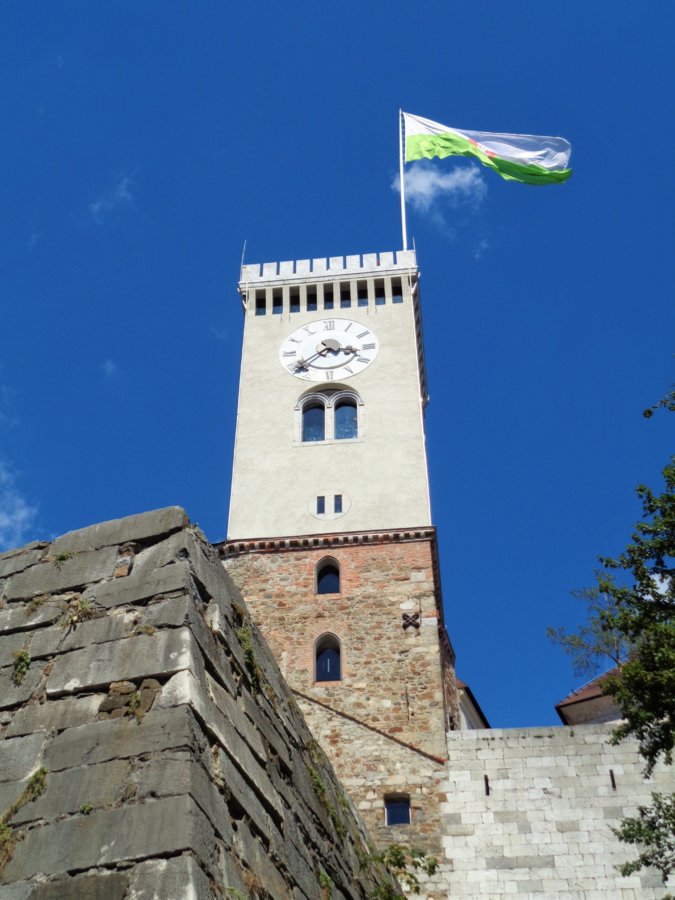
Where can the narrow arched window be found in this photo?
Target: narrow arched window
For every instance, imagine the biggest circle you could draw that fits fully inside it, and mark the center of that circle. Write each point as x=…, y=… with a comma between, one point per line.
x=346, y=425
x=328, y=659
x=328, y=577
x=314, y=422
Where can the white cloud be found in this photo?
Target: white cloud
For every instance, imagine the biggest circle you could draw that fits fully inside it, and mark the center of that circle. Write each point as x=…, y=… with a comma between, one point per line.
x=17, y=516
x=480, y=248
x=425, y=185
x=118, y=197
x=110, y=368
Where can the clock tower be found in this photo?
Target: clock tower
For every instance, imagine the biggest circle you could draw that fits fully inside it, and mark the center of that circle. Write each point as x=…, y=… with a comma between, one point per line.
x=330, y=536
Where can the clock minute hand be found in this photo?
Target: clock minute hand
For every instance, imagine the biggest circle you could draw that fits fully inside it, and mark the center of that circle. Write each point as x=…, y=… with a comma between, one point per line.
x=321, y=350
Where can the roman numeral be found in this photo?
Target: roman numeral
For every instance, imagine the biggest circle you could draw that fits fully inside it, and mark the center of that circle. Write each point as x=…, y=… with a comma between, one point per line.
x=349, y=326
x=363, y=359
x=363, y=334
x=294, y=340
x=347, y=369
x=330, y=325
x=368, y=347
x=290, y=353
x=329, y=376
x=309, y=330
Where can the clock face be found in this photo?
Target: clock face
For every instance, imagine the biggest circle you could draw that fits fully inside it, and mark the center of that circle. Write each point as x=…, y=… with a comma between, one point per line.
x=329, y=349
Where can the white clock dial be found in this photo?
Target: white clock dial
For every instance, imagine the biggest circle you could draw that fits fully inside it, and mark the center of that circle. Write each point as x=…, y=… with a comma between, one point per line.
x=328, y=350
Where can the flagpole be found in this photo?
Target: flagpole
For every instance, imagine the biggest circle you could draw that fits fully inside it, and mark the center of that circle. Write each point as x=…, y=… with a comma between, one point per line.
x=401, y=178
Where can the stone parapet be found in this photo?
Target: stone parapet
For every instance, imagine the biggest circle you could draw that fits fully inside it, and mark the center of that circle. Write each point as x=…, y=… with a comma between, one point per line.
x=327, y=268
x=149, y=746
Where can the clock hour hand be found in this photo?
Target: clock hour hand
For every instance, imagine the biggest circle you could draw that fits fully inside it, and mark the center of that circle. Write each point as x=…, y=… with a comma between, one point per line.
x=321, y=350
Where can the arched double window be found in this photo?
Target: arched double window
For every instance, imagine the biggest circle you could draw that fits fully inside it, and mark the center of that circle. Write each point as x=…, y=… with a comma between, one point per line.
x=327, y=659
x=328, y=576
x=332, y=415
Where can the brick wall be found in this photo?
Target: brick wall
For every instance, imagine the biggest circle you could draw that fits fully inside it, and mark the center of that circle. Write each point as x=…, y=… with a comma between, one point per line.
x=383, y=725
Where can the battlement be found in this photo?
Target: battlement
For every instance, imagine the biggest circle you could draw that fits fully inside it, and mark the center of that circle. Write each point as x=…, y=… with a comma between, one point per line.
x=326, y=268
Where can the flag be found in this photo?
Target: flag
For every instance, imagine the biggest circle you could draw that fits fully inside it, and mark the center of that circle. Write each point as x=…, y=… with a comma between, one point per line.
x=528, y=158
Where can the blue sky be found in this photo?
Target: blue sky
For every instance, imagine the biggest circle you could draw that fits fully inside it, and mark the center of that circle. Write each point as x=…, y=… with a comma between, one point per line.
x=144, y=142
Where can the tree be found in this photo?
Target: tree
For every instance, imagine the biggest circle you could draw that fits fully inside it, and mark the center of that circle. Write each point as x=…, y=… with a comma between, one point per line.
x=631, y=621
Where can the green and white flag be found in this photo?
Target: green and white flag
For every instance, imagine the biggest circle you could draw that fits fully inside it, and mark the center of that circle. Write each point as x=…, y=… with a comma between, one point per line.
x=528, y=158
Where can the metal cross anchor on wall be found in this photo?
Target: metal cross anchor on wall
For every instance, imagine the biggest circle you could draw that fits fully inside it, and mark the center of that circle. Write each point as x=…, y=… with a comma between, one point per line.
x=411, y=620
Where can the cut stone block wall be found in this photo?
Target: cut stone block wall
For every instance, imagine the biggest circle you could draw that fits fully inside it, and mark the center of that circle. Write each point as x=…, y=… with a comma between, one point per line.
x=544, y=828
x=149, y=747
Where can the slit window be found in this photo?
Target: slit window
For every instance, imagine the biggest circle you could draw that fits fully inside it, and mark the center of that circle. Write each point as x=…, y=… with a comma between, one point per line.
x=314, y=422
x=328, y=577
x=345, y=297
x=379, y=295
x=295, y=301
x=320, y=506
x=260, y=306
x=396, y=291
x=277, y=303
x=328, y=666
x=346, y=425
x=328, y=302
x=311, y=301
x=397, y=810
x=362, y=297
x=337, y=503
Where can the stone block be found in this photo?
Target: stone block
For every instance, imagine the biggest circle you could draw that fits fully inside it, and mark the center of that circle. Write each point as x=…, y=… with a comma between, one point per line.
x=143, y=656
x=20, y=756
x=55, y=577
x=66, y=792
x=11, y=694
x=102, y=886
x=130, y=529
x=159, y=731
x=23, y=617
x=55, y=715
x=156, y=828
x=62, y=638
x=180, y=878
x=17, y=562
x=136, y=589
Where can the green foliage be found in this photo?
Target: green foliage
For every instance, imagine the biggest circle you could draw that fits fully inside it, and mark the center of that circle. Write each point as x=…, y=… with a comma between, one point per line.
x=8, y=841
x=60, y=558
x=404, y=864
x=135, y=705
x=653, y=829
x=667, y=402
x=86, y=808
x=21, y=665
x=36, y=784
x=246, y=641
x=317, y=784
x=77, y=611
x=597, y=641
x=9, y=837
x=326, y=885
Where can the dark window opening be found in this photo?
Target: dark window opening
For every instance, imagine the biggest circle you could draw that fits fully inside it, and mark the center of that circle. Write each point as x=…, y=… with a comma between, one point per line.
x=295, y=301
x=363, y=295
x=396, y=291
x=260, y=306
x=277, y=303
x=346, y=425
x=328, y=659
x=379, y=295
x=328, y=578
x=314, y=423
x=320, y=505
x=337, y=503
x=328, y=298
x=345, y=297
x=311, y=301
x=397, y=810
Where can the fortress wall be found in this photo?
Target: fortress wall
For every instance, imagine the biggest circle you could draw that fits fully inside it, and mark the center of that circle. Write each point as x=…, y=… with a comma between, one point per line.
x=149, y=747
x=544, y=828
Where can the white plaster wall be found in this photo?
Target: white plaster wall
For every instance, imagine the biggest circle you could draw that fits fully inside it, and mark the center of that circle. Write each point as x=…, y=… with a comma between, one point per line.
x=383, y=474
x=544, y=830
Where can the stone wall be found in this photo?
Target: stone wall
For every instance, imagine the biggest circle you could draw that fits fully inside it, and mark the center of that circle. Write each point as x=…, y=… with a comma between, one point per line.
x=148, y=746
x=529, y=812
x=383, y=724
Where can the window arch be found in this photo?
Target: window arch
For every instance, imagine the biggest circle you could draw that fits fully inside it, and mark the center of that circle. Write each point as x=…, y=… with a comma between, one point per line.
x=328, y=576
x=327, y=659
x=332, y=415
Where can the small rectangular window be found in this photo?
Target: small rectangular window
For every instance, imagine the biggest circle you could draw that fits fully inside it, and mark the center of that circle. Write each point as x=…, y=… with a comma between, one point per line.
x=345, y=297
x=277, y=303
x=397, y=810
x=396, y=291
x=260, y=306
x=320, y=506
x=328, y=297
x=379, y=294
x=295, y=301
x=362, y=294
x=337, y=503
x=311, y=301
